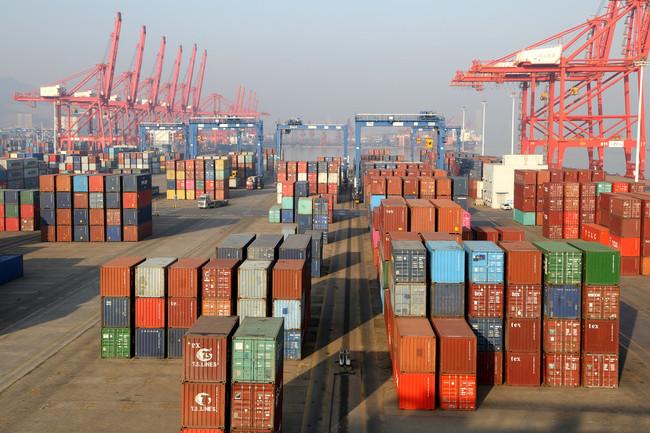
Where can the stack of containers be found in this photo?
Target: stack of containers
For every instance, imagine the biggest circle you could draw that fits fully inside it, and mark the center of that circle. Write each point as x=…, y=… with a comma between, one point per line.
x=97, y=208
x=553, y=210
x=292, y=302
x=136, y=202
x=219, y=287
x=323, y=215
x=446, y=278
x=571, y=210
x=523, y=311
x=384, y=263
x=150, y=302
x=317, y=237
x=460, y=190
x=587, y=202
x=183, y=301
x=456, y=365
x=562, y=266
x=80, y=207
x=485, y=270
x=63, y=202
x=188, y=179
x=525, y=197
x=297, y=247
x=117, y=290
x=19, y=210
x=114, y=218
x=408, y=288
x=257, y=380
x=305, y=212
x=205, y=398
x=600, y=314
x=625, y=230
x=254, y=277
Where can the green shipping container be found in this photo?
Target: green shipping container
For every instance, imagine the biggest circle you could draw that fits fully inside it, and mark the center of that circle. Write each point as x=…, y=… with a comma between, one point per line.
x=525, y=218
x=200, y=185
x=116, y=343
x=274, y=214
x=603, y=187
x=601, y=265
x=2, y=197
x=386, y=274
x=258, y=350
x=562, y=263
x=12, y=211
x=287, y=203
x=30, y=196
x=305, y=205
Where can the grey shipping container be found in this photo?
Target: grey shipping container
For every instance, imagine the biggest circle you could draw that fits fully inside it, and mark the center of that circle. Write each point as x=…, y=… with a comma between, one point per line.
x=409, y=261
x=289, y=230
x=151, y=277
x=254, y=278
x=175, y=342
x=447, y=300
x=264, y=247
x=316, y=243
x=117, y=312
x=296, y=247
x=409, y=299
x=234, y=246
x=252, y=307
x=459, y=186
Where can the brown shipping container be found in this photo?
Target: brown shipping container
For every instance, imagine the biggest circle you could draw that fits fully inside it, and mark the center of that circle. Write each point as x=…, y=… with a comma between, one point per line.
x=256, y=407
x=411, y=186
x=570, y=175
x=443, y=187
x=80, y=200
x=47, y=183
x=525, y=204
x=206, y=349
x=63, y=182
x=556, y=175
x=625, y=227
x=484, y=300
x=48, y=233
x=394, y=214
x=96, y=217
x=427, y=187
x=629, y=265
x=290, y=279
x=437, y=236
x=394, y=185
x=449, y=216
x=415, y=345
x=522, y=368
x=113, y=217
x=203, y=404
x=184, y=278
x=137, y=233
x=561, y=369
x=525, y=191
x=523, y=335
x=600, y=336
x=599, y=370
x=525, y=177
x=554, y=190
x=97, y=233
x=64, y=233
x=510, y=233
x=523, y=263
x=571, y=189
x=485, y=233
x=219, y=278
x=600, y=302
x=552, y=231
x=552, y=204
x=181, y=312
x=378, y=185
x=118, y=277
x=543, y=176
x=587, y=189
x=218, y=306
x=456, y=346
x=561, y=335
x=523, y=301
x=489, y=368
x=422, y=215
x=624, y=206
x=571, y=204
x=64, y=217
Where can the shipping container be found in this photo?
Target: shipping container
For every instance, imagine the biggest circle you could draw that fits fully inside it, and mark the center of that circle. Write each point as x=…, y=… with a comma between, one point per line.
x=446, y=261
x=523, y=263
x=296, y=247
x=184, y=277
x=234, y=246
x=11, y=267
x=415, y=390
x=254, y=278
x=116, y=343
x=256, y=407
x=600, y=302
x=415, y=345
x=150, y=313
x=523, y=300
x=409, y=299
x=175, y=342
x=408, y=261
x=561, y=369
x=489, y=368
x=601, y=265
x=489, y=333
x=290, y=279
x=484, y=300
x=449, y=215
x=522, y=368
x=457, y=391
x=456, y=346
x=422, y=215
x=220, y=278
x=265, y=247
x=562, y=302
x=204, y=404
x=447, y=300
x=599, y=370
x=218, y=306
x=292, y=311
x=257, y=350
x=561, y=335
x=293, y=344
x=485, y=262
x=117, y=312
x=151, y=277
x=600, y=336
x=181, y=312
x=523, y=335
x=510, y=234
x=150, y=343
x=207, y=349
x=253, y=307
x=562, y=263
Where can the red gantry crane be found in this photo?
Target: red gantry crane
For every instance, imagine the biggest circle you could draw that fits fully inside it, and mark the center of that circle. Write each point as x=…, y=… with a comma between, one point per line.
x=585, y=97
x=91, y=107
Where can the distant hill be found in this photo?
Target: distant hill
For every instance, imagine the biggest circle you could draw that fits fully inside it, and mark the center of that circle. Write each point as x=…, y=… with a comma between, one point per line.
x=9, y=109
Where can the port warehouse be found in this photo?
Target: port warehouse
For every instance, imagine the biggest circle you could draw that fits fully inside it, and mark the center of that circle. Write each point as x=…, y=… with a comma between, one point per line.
x=337, y=240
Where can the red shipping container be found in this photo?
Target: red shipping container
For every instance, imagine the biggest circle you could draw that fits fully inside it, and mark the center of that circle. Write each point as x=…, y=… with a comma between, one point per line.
x=206, y=349
x=645, y=229
x=561, y=335
x=584, y=175
x=457, y=391
x=415, y=345
x=588, y=204
x=644, y=265
x=625, y=227
x=570, y=175
x=26, y=211
x=180, y=184
x=415, y=391
x=523, y=301
x=218, y=306
x=620, y=187
x=601, y=302
x=523, y=263
x=302, y=166
x=64, y=217
x=97, y=234
x=184, y=278
x=571, y=204
x=485, y=233
x=221, y=194
x=399, y=172
x=625, y=206
x=443, y=187
x=525, y=191
x=544, y=176
x=427, y=187
x=190, y=165
x=332, y=188
x=629, y=247
x=552, y=231
x=571, y=231
x=630, y=265
x=256, y=406
x=599, y=370
x=203, y=404
x=149, y=312
x=30, y=224
x=587, y=217
x=47, y=182
x=394, y=185
x=510, y=233
x=553, y=204
x=181, y=312
x=599, y=336
x=96, y=183
x=410, y=186
x=63, y=233
x=553, y=218
x=523, y=335
x=220, y=278
x=113, y=217
x=287, y=189
x=449, y=216
x=484, y=300
x=137, y=233
x=587, y=189
x=437, y=236
x=96, y=217
x=489, y=368
x=525, y=204
x=290, y=279
x=456, y=346
x=554, y=190
x=394, y=214
x=571, y=218
x=202, y=430
x=135, y=200
x=525, y=177
x=602, y=217
x=571, y=189
x=422, y=215
x=48, y=233
x=561, y=369
x=281, y=177
x=522, y=368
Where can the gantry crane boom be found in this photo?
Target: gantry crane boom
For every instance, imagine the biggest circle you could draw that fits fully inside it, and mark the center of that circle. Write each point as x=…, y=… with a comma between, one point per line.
x=197, y=91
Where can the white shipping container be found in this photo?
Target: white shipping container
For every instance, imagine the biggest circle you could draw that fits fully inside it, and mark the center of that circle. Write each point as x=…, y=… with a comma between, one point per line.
x=333, y=178
x=52, y=91
x=322, y=177
x=251, y=308
x=292, y=310
x=302, y=177
x=253, y=278
x=278, y=187
x=12, y=164
x=151, y=277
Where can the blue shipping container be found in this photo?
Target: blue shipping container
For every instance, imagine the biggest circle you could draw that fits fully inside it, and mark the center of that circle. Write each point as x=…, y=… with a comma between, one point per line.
x=292, y=310
x=489, y=333
x=47, y=200
x=11, y=267
x=315, y=268
x=304, y=222
x=12, y=196
x=485, y=262
x=321, y=222
x=64, y=200
x=80, y=183
x=134, y=217
x=292, y=344
x=175, y=342
x=447, y=299
x=114, y=233
x=287, y=215
x=171, y=184
x=80, y=217
x=562, y=302
x=81, y=234
x=150, y=343
x=446, y=262
x=116, y=312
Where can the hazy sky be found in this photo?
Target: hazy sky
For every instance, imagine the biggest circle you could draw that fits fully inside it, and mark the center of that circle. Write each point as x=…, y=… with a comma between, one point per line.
x=322, y=61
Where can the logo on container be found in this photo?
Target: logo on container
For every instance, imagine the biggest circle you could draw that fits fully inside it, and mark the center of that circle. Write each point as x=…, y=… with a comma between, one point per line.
x=238, y=396
x=201, y=397
x=204, y=355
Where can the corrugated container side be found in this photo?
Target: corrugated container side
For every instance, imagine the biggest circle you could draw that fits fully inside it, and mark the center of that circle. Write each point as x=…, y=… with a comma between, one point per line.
x=408, y=261
x=489, y=333
x=599, y=370
x=601, y=302
x=252, y=307
x=203, y=404
x=484, y=300
x=446, y=261
x=265, y=247
x=254, y=278
x=523, y=335
x=293, y=344
x=151, y=277
x=561, y=335
x=117, y=312
x=184, y=277
x=207, y=349
x=150, y=313
x=562, y=302
x=291, y=310
x=523, y=263
x=447, y=300
x=457, y=391
x=522, y=368
x=118, y=276
x=561, y=369
x=220, y=278
x=409, y=299
x=181, y=312
x=415, y=345
x=290, y=279
x=456, y=346
x=234, y=246
x=415, y=391
x=175, y=342
x=601, y=264
x=257, y=350
x=523, y=300
x=485, y=262
x=489, y=368
x=116, y=343
x=149, y=343
x=218, y=306
x=600, y=336
x=256, y=407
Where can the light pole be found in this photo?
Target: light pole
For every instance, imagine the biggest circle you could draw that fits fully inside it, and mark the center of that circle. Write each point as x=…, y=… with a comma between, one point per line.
x=483, y=132
x=462, y=132
x=641, y=64
x=512, y=136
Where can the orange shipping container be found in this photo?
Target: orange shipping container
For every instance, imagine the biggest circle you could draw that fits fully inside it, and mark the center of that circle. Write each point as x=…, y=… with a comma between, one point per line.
x=218, y=306
x=149, y=312
x=290, y=279
x=184, y=278
x=523, y=263
x=118, y=277
x=449, y=216
x=457, y=391
x=203, y=404
x=415, y=345
x=422, y=215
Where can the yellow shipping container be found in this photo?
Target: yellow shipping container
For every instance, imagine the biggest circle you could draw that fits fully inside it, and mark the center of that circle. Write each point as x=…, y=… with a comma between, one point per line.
x=171, y=175
x=170, y=194
x=180, y=193
x=190, y=194
x=180, y=175
x=221, y=164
